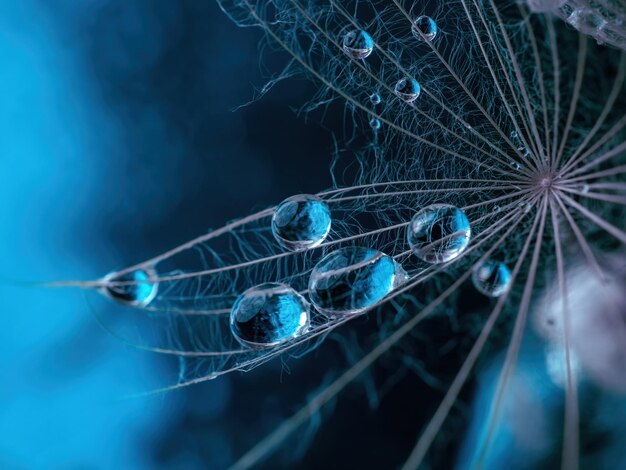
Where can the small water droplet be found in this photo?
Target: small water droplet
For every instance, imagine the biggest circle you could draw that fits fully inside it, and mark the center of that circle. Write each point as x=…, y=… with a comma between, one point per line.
x=525, y=207
x=134, y=288
x=439, y=233
x=491, y=278
x=407, y=89
x=358, y=44
x=375, y=99
x=424, y=28
x=301, y=222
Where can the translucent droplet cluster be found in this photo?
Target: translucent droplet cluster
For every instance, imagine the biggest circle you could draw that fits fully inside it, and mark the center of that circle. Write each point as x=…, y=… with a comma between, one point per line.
x=601, y=20
x=439, y=233
x=301, y=222
x=132, y=288
x=267, y=315
x=491, y=278
x=358, y=44
x=353, y=279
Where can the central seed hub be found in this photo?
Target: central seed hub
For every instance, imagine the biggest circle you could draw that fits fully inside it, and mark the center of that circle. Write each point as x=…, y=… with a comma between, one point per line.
x=545, y=180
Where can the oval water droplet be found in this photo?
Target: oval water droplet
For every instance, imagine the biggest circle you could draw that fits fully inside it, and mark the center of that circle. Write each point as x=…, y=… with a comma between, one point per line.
x=267, y=315
x=358, y=44
x=301, y=222
x=491, y=278
x=133, y=288
x=353, y=279
x=407, y=89
x=424, y=28
x=439, y=233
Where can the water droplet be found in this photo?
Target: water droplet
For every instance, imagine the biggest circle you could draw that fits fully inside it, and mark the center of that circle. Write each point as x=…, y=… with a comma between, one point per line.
x=301, y=222
x=439, y=233
x=587, y=20
x=375, y=99
x=408, y=89
x=584, y=188
x=358, y=44
x=497, y=209
x=375, y=124
x=426, y=26
x=491, y=278
x=353, y=279
x=267, y=315
x=134, y=288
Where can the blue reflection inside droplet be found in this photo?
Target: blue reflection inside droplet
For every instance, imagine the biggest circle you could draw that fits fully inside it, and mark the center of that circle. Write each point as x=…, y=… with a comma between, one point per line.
x=439, y=233
x=358, y=44
x=301, y=222
x=353, y=279
x=139, y=292
x=268, y=314
x=491, y=278
x=424, y=28
x=408, y=89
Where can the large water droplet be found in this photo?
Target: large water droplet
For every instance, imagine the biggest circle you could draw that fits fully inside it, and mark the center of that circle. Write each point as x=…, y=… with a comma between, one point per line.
x=426, y=26
x=491, y=278
x=375, y=99
x=358, y=44
x=267, y=315
x=301, y=222
x=439, y=233
x=133, y=288
x=408, y=89
x=353, y=279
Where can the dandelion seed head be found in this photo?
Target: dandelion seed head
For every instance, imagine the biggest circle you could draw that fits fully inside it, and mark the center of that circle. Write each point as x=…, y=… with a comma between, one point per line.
x=485, y=136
